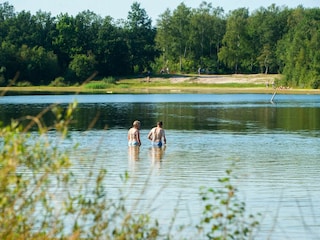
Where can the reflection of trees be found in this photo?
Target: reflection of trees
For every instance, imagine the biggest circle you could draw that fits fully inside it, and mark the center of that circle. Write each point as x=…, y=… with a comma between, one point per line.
x=177, y=116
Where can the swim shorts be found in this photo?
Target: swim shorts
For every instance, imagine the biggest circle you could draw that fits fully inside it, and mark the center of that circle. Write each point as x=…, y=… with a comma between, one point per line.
x=133, y=143
x=157, y=144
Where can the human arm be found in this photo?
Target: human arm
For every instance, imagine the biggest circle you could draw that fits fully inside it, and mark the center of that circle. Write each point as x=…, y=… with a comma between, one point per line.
x=150, y=135
x=138, y=138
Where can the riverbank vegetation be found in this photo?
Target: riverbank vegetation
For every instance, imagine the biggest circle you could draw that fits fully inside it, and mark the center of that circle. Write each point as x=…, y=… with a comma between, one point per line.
x=41, y=198
x=64, y=50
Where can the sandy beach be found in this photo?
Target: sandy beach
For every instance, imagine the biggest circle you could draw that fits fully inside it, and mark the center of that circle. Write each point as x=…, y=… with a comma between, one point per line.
x=223, y=79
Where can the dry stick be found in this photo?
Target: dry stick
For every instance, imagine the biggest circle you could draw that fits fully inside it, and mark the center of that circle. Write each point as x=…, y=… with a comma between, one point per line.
x=10, y=84
x=88, y=79
x=94, y=120
x=37, y=118
x=271, y=100
x=51, y=106
x=304, y=223
x=273, y=227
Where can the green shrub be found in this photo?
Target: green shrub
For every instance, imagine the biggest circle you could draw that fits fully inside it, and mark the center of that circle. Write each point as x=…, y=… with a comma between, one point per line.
x=24, y=84
x=224, y=215
x=96, y=85
x=315, y=84
x=58, y=82
x=109, y=80
x=28, y=202
x=50, y=202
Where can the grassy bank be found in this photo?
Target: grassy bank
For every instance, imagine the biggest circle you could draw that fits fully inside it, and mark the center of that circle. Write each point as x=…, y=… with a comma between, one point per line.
x=255, y=83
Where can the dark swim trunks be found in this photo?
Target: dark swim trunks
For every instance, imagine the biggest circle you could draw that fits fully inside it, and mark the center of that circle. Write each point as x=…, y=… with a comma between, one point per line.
x=157, y=144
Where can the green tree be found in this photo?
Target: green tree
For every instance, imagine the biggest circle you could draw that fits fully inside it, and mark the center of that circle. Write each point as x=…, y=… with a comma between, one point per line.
x=23, y=30
x=81, y=67
x=206, y=33
x=236, y=50
x=9, y=62
x=38, y=66
x=87, y=25
x=180, y=30
x=46, y=26
x=6, y=13
x=65, y=40
x=266, y=28
x=140, y=38
x=111, y=50
x=299, y=48
x=164, y=40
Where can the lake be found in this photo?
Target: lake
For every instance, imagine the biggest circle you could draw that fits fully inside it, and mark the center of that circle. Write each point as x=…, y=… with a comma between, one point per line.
x=274, y=145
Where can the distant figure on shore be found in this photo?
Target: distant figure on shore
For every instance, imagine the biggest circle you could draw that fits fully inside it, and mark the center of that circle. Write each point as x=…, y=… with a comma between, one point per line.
x=199, y=70
x=148, y=76
x=134, y=134
x=163, y=71
x=157, y=135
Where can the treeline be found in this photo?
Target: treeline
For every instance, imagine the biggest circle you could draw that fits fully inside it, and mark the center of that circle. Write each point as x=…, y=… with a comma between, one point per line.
x=42, y=49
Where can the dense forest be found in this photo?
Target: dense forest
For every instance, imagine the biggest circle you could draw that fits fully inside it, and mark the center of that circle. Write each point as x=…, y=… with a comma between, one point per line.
x=42, y=49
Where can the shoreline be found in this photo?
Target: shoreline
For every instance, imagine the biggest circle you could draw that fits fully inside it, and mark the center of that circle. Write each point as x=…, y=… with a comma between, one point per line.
x=174, y=84
x=152, y=90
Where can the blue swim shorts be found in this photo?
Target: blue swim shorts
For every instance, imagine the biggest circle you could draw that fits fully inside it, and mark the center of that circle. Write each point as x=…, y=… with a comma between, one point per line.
x=156, y=144
x=133, y=143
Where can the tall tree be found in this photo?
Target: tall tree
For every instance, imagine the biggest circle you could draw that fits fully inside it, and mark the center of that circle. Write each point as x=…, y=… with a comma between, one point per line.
x=206, y=33
x=6, y=13
x=141, y=38
x=180, y=30
x=267, y=27
x=235, y=52
x=164, y=39
x=112, y=53
x=38, y=66
x=299, y=49
x=65, y=40
x=46, y=25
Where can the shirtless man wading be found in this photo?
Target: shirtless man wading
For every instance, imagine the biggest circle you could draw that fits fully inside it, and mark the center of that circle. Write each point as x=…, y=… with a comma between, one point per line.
x=134, y=134
x=156, y=135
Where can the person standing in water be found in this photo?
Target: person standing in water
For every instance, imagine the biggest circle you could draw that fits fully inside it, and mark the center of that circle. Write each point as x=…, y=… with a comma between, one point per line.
x=157, y=135
x=134, y=134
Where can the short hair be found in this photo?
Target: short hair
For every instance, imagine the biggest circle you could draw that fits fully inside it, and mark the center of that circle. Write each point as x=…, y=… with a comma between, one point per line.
x=159, y=123
x=136, y=123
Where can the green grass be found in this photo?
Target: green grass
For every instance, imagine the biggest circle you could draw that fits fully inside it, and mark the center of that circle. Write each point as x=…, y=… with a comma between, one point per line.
x=163, y=84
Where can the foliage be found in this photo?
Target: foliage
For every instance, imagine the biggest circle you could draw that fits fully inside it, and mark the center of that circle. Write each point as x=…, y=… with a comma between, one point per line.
x=236, y=45
x=24, y=84
x=224, y=215
x=109, y=80
x=40, y=198
x=96, y=85
x=275, y=39
x=301, y=55
x=58, y=82
x=141, y=37
x=316, y=84
x=39, y=65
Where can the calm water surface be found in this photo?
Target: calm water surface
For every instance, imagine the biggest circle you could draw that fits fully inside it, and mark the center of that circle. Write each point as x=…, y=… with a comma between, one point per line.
x=275, y=147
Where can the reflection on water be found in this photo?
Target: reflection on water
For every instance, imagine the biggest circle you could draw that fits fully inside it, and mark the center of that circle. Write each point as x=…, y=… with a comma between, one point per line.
x=275, y=147
x=133, y=153
x=156, y=155
x=277, y=174
x=231, y=112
